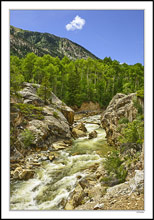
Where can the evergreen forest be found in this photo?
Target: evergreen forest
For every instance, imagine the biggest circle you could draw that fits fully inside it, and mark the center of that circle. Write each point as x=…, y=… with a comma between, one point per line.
x=77, y=81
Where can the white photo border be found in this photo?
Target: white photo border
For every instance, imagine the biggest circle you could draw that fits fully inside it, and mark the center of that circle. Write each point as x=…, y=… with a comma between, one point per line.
x=147, y=6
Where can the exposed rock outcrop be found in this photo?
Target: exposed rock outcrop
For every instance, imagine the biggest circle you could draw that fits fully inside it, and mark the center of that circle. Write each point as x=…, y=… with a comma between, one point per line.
x=29, y=94
x=121, y=106
x=67, y=111
x=46, y=123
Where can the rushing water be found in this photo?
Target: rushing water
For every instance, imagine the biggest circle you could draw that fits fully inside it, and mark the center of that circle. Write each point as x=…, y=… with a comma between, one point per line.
x=55, y=180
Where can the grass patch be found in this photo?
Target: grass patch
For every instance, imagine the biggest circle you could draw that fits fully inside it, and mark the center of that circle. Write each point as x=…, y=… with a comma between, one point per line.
x=30, y=111
x=55, y=114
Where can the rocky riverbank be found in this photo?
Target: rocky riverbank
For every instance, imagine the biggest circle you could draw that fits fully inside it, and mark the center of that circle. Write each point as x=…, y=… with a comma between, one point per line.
x=63, y=166
x=92, y=193
x=35, y=126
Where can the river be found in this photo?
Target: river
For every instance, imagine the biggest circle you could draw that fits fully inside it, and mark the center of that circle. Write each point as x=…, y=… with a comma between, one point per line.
x=54, y=181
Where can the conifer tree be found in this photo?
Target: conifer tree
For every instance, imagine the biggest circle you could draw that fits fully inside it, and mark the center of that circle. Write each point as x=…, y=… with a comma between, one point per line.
x=45, y=91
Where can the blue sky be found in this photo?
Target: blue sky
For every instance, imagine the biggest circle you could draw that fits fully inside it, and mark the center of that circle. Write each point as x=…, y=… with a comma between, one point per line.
x=118, y=34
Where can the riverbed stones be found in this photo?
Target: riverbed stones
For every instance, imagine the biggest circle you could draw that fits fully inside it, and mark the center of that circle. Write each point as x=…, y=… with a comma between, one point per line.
x=22, y=174
x=78, y=133
x=51, y=157
x=76, y=198
x=81, y=127
x=99, y=206
x=92, y=134
x=69, y=206
x=59, y=145
x=26, y=174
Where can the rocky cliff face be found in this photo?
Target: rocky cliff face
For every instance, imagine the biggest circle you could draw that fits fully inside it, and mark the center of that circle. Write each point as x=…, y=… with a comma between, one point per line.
x=121, y=106
x=45, y=123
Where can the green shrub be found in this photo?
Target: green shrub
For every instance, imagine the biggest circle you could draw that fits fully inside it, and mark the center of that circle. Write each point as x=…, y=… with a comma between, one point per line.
x=116, y=172
x=140, y=93
x=30, y=111
x=55, y=114
x=123, y=120
x=133, y=133
x=138, y=106
x=27, y=138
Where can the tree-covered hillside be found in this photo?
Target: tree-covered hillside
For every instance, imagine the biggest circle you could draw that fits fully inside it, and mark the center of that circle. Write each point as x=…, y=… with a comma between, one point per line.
x=23, y=42
x=77, y=81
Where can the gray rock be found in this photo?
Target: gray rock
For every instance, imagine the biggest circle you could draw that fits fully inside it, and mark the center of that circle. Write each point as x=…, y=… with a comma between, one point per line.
x=57, y=117
x=121, y=106
x=135, y=184
x=99, y=206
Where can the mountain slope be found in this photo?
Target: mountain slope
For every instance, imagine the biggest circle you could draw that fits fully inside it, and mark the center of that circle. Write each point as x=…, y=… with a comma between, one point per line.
x=23, y=42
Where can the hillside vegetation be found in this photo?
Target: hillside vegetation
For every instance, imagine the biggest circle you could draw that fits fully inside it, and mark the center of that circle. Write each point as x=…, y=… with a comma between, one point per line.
x=75, y=82
x=23, y=42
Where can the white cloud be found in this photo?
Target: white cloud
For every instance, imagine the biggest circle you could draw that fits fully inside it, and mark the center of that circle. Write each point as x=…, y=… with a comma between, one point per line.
x=77, y=23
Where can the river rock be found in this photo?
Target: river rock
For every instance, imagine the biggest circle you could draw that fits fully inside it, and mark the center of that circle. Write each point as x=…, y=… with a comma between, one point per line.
x=78, y=133
x=93, y=134
x=81, y=127
x=99, y=206
x=121, y=106
x=59, y=145
x=35, y=164
x=26, y=174
x=22, y=174
x=69, y=206
x=51, y=157
x=76, y=198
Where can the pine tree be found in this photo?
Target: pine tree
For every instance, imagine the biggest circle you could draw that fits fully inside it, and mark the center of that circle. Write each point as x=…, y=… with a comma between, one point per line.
x=45, y=91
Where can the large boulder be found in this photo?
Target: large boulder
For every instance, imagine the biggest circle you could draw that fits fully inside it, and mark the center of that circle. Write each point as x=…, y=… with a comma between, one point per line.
x=30, y=96
x=78, y=133
x=50, y=129
x=76, y=199
x=121, y=106
x=66, y=110
x=47, y=123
